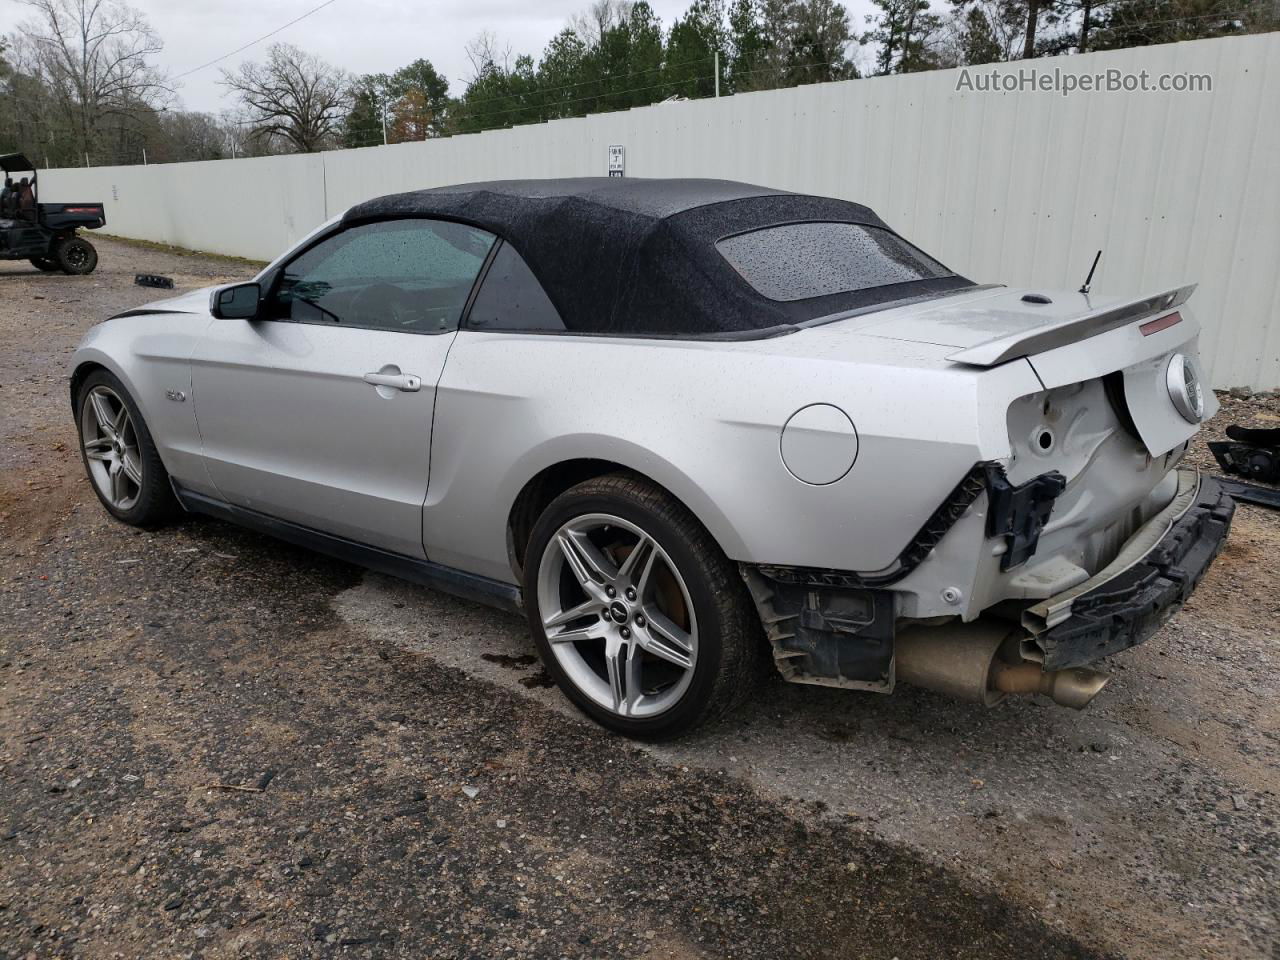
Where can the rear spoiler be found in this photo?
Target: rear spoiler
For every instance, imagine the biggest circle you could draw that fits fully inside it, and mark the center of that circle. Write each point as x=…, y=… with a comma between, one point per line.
x=1039, y=339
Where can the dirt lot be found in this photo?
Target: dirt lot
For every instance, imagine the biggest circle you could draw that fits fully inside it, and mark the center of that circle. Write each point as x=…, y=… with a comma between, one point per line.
x=423, y=795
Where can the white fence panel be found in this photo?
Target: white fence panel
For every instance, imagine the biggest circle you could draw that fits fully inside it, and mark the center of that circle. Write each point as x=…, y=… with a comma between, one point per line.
x=1016, y=187
x=245, y=208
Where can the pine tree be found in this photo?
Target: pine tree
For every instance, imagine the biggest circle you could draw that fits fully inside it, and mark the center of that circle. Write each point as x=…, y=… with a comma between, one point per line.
x=818, y=38
x=362, y=126
x=902, y=29
x=419, y=99
x=692, y=45
x=978, y=42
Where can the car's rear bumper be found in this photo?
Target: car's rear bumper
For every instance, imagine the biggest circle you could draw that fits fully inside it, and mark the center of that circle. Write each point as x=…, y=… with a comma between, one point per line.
x=1126, y=603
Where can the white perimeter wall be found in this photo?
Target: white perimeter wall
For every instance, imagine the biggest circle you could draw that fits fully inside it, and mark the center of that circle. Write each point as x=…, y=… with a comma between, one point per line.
x=1002, y=187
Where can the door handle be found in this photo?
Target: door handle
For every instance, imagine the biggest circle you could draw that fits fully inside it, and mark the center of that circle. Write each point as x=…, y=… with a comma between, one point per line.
x=397, y=381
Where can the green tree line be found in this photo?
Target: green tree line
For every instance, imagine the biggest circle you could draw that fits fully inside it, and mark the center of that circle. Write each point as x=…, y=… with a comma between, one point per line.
x=67, y=96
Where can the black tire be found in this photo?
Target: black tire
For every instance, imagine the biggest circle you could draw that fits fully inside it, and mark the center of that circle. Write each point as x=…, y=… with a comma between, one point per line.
x=45, y=264
x=75, y=256
x=155, y=504
x=730, y=641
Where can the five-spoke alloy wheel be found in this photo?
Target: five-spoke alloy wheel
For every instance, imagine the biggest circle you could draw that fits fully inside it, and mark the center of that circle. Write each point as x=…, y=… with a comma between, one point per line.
x=617, y=615
x=111, y=448
x=119, y=455
x=640, y=618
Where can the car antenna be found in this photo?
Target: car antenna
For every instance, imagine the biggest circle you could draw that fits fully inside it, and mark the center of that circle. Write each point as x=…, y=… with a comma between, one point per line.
x=1089, y=279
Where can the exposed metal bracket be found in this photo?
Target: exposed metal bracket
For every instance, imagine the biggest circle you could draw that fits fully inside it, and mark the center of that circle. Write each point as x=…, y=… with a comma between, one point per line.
x=1019, y=513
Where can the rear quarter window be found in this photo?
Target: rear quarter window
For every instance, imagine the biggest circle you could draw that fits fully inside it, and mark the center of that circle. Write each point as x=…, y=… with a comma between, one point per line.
x=511, y=298
x=796, y=261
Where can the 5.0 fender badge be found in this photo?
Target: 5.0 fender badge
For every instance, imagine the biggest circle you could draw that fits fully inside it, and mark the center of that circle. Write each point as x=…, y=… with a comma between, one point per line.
x=176, y=395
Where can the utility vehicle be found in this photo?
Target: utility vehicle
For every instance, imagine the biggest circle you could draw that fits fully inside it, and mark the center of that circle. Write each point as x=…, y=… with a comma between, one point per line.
x=44, y=233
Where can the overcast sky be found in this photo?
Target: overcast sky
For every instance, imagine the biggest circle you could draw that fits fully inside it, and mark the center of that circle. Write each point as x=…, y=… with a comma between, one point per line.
x=363, y=36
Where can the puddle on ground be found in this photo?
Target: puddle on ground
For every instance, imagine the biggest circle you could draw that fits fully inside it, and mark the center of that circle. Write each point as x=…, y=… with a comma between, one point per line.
x=520, y=662
x=509, y=661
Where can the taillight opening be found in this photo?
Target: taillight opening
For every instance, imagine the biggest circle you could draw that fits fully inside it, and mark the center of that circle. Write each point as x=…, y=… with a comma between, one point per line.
x=1113, y=385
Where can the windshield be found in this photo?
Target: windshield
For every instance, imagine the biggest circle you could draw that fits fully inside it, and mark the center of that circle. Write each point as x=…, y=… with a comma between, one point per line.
x=796, y=261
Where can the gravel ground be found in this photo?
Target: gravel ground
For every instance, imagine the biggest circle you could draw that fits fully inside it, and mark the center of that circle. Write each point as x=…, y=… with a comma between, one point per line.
x=416, y=790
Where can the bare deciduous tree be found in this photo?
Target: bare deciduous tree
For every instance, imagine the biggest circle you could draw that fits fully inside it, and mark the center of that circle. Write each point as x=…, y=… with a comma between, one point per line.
x=294, y=95
x=94, y=58
x=181, y=135
x=486, y=54
x=590, y=24
x=979, y=31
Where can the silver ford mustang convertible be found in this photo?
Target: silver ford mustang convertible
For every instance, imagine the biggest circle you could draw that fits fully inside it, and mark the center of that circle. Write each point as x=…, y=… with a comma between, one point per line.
x=684, y=425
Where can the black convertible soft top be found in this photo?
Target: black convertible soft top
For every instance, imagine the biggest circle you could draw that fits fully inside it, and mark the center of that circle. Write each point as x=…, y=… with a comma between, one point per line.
x=638, y=256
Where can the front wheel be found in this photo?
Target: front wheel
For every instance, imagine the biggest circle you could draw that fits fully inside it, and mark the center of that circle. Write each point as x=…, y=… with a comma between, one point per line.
x=75, y=256
x=638, y=615
x=119, y=455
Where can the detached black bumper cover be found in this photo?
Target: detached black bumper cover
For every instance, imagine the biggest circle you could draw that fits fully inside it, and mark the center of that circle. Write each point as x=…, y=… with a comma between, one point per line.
x=1131, y=606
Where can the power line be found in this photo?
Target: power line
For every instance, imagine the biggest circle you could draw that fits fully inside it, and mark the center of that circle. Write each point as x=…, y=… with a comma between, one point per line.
x=465, y=106
x=1117, y=17
x=251, y=43
x=555, y=109
x=564, y=103
x=463, y=112
x=583, y=83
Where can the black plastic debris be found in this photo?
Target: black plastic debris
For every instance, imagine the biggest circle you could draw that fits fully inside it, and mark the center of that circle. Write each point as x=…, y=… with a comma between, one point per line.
x=1251, y=453
x=1251, y=493
x=153, y=280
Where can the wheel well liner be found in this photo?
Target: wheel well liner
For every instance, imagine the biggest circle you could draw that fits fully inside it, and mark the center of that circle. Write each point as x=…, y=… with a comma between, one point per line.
x=534, y=497
x=548, y=484
x=79, y=374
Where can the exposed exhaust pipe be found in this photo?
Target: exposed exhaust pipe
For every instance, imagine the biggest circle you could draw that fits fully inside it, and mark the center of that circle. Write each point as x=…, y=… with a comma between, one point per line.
x=961, y=661
x=1074, y=687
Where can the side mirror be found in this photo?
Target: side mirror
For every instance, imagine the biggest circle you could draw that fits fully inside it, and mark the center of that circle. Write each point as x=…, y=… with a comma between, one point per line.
x=238, y=302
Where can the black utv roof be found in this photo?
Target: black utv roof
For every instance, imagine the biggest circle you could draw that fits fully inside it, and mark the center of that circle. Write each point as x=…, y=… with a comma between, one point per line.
x=638, y=256
x=15, y=162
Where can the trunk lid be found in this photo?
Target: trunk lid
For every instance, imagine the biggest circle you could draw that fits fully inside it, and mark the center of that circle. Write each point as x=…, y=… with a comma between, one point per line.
x=1010, y=323
x=1072, y=338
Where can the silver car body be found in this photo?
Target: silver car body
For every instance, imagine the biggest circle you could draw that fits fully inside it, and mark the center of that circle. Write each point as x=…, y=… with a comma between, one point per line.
x=828, y=448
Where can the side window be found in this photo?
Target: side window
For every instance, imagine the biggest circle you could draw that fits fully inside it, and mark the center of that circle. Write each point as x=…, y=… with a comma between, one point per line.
x=511, y=298
x=412, y=276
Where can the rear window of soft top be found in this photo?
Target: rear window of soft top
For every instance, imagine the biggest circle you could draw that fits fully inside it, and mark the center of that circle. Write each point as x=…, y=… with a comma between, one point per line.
x=796, y=261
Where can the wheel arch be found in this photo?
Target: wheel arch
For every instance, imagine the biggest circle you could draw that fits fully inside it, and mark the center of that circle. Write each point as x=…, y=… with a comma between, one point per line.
x=86, y=361
x=554, y=479
x=81, y=371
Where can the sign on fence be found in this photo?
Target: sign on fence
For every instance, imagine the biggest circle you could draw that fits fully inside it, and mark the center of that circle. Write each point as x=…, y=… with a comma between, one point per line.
x=617, y=160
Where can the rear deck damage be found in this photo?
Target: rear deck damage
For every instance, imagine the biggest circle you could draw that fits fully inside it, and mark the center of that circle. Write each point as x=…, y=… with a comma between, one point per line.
x=1149, y=580
x=833, y=628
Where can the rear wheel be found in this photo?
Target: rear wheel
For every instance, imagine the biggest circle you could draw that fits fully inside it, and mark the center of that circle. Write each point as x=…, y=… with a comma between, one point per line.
x=638, y=615
x=45, y=264
x=120, y=456
x=75, y=255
